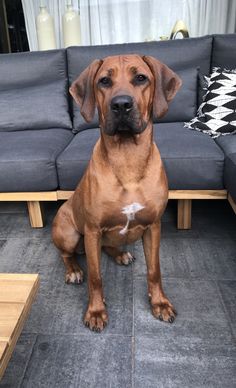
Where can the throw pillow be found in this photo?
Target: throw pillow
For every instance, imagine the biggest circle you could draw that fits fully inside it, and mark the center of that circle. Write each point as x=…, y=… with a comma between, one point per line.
x=217, y=113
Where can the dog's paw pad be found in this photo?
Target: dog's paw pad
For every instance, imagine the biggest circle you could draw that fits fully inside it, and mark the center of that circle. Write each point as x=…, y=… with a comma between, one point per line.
x=74, y=277
x=125, y=258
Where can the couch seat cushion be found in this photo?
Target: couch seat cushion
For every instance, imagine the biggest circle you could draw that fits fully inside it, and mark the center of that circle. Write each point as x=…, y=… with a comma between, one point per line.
x=228, y=145
x=27, y=159
x=193, y=160
x=72, y=162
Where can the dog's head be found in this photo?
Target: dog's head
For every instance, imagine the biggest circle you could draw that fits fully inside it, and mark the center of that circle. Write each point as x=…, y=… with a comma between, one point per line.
x=128, y=91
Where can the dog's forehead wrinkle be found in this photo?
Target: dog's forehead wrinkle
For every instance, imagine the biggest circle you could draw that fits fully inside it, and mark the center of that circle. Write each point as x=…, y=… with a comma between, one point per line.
x=133, y=63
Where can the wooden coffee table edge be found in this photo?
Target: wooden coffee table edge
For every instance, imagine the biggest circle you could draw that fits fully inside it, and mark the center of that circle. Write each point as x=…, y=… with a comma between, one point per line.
x=19, y=327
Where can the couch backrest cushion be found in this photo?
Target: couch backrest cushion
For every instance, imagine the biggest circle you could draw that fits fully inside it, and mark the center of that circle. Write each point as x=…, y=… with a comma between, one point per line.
x=34, y=91
x=224, y=51
x=182, y=55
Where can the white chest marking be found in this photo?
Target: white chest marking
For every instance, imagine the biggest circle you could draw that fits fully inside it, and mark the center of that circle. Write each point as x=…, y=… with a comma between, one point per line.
x=130, y=211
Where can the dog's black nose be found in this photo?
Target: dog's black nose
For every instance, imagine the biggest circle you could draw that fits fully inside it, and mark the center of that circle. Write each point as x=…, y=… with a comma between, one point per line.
x=121, y=104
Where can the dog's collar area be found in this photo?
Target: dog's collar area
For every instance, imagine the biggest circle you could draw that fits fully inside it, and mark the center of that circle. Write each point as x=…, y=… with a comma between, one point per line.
x=130, y=211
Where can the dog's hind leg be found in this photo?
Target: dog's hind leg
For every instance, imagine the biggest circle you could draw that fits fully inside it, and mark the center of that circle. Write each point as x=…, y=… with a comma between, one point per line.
x=66, y=238
x=124, y=258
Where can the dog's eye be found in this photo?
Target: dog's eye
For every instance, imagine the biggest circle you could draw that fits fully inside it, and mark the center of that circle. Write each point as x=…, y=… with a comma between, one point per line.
x=140, y=78
x=105, y=81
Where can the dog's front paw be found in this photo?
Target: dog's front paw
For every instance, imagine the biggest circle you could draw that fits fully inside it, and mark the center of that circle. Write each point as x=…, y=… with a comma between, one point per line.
x=125, y=258
x=96, y=320
x=74, y=277
x=164, y=311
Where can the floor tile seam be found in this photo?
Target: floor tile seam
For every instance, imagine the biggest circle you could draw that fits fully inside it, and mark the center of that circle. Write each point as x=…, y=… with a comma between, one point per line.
x=90, y=335
x=133, y=328
x=133, y=293
x=225, y=311
x=132, y=361
x=189, y=278
x=29, y=359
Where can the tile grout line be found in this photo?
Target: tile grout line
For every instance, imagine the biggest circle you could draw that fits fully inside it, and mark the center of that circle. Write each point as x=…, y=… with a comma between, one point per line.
x=133, y=330
x=89, y=335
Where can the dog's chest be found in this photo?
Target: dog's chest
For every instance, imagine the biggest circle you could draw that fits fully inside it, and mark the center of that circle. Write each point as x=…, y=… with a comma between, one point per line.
x=128, y=217
x=127, y=223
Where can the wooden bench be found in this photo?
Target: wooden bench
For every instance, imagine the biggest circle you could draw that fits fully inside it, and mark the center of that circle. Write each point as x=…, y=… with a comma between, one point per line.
x=184, y=198
x=17, y=293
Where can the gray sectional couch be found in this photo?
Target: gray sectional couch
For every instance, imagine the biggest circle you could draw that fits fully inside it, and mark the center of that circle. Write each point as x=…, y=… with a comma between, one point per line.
x=45, y=144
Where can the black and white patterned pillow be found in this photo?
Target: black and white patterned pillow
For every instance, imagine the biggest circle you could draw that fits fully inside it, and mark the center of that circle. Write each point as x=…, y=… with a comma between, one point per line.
x=217, y=114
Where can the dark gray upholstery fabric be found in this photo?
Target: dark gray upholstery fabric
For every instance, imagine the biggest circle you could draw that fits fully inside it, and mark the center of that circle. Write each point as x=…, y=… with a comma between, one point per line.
x=185, y=102
x=230, y=174
x=34, y=91
x=27, y=159
x=192, y=159
x=179, y=55
x=228, y=145
x=224, y=51
x=72, y=162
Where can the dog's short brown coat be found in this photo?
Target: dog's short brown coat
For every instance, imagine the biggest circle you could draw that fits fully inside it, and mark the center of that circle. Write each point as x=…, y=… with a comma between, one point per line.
x=125, y=169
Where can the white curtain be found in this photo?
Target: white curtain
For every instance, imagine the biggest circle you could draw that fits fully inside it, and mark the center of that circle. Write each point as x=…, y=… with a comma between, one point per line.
x=119, y=21
x=210, y=16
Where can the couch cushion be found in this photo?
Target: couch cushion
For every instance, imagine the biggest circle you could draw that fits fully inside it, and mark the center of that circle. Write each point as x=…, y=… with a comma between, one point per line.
x=27, y=159
x=73, y=161
x=192, y=159
x=34, y=91
x=175, y=53
x=228, y=145
x=224, y=51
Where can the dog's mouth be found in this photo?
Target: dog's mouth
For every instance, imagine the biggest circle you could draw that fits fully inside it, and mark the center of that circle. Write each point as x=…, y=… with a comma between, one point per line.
x=124, y=126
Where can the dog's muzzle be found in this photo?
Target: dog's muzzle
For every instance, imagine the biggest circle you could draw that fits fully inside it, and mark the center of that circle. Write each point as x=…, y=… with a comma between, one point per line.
x=124, y=117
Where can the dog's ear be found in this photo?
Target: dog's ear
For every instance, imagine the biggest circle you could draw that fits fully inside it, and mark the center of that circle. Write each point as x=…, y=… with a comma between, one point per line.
x=167, y=83
x=82, y=90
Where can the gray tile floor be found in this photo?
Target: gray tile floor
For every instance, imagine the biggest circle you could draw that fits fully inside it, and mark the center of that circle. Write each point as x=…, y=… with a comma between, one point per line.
x=135, y=350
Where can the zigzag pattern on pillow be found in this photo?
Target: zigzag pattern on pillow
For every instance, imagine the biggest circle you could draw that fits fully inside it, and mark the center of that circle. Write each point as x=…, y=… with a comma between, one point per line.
x=217, y=114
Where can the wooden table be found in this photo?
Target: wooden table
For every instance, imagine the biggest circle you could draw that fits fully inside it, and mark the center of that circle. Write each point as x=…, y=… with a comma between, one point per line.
x=17, y=293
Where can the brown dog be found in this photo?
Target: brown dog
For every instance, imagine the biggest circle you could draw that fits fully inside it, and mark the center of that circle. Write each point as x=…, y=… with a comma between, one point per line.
x=123, y=192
